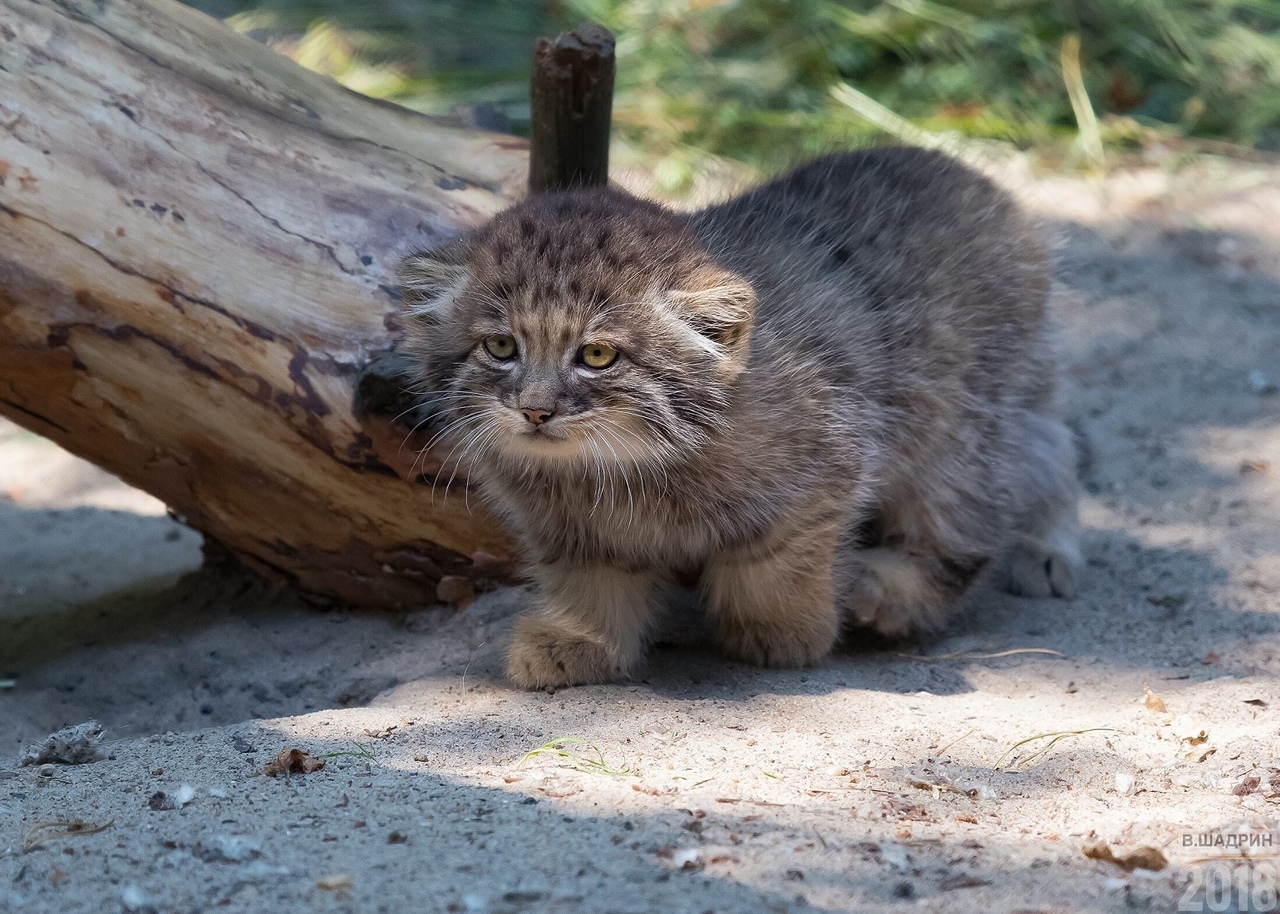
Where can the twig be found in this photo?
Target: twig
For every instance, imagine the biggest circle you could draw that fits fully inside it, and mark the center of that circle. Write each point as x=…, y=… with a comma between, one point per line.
x=43, y=832
x=967, y=655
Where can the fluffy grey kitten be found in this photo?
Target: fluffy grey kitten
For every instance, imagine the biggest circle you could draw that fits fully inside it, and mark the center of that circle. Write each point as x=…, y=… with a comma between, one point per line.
x=829, y=400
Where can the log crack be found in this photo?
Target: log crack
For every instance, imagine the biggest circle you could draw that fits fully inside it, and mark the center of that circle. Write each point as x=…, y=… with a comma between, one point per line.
x=43, y=420
x=218, y=180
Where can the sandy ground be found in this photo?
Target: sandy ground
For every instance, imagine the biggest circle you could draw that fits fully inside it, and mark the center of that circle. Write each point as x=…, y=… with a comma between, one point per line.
x=875, y=782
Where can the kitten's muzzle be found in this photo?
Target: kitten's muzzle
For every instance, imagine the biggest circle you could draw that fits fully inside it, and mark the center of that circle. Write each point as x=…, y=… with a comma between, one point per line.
x=536, y=416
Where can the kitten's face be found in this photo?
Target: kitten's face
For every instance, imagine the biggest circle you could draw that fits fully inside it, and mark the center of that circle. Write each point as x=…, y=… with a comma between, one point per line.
x=585, y=327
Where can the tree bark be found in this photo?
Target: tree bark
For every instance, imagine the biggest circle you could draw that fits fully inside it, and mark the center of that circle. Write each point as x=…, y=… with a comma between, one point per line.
x=197, y=246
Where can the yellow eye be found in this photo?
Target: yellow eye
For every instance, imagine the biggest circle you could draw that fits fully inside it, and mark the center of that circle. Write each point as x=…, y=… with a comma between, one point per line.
x=501, y=347
x=597, y=355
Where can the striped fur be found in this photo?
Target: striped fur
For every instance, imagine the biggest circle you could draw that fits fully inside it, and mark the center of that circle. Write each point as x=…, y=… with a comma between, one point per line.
x=833, y=402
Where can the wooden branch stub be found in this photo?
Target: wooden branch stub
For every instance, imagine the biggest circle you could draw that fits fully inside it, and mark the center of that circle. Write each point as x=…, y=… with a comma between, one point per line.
x=571, y=108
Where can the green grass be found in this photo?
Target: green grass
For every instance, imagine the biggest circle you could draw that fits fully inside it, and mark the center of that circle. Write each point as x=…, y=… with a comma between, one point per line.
x=578, y=754
x=760, y=81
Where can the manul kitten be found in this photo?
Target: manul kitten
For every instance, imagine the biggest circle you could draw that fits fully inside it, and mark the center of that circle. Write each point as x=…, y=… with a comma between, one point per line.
x=830, y=400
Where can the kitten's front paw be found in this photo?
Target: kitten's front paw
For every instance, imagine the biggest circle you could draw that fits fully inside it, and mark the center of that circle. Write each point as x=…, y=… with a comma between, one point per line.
x=772, y=644
x=545, y=655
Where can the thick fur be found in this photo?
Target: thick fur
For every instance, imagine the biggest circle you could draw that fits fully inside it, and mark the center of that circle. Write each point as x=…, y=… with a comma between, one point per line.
x=833, y=401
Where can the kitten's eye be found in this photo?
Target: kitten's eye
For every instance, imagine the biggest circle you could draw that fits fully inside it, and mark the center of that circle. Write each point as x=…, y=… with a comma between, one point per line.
x=597, y=355
x=501, y=347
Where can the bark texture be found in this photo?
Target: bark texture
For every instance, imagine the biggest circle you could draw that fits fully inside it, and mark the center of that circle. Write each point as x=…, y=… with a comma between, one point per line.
x=197, y=244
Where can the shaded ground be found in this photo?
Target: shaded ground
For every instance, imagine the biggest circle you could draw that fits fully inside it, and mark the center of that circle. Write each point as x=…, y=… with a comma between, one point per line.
x=874, y=782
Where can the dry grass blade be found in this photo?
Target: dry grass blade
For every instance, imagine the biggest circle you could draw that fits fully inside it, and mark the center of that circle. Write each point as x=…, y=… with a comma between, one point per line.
x=883, y=118
x=1053, y=739
x=1086, y=120
x=578, y=754
x=43, y=832
x=974, y=655
x=360, y=751
x=963, y=736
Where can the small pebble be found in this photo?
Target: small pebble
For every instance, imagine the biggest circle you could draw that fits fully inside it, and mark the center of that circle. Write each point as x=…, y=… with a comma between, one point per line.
x=1124, y=783
x=135, y=899
x=1261, y=384
x=685, y=858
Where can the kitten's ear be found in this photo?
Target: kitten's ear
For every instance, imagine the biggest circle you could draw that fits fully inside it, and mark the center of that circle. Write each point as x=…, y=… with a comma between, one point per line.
x=431, y=280
x=719, y=306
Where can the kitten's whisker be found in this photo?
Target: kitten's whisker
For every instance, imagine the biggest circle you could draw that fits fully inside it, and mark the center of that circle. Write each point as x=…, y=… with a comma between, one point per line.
x=457, y=424
x=480, y=447
x=599, y=466
x=620, y=467
x=445, y=463
x=456, y=419
x=426, y=448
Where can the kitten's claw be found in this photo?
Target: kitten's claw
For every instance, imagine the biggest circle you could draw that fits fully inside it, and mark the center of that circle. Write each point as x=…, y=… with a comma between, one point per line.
x=544, y=655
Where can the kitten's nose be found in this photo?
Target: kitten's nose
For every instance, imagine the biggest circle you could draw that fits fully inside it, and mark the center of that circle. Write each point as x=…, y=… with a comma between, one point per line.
x=536, y=416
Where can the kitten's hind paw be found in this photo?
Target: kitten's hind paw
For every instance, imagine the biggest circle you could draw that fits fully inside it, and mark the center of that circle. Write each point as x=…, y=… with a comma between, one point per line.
x=774, y=644
x=1031, y=568
x=544, y=655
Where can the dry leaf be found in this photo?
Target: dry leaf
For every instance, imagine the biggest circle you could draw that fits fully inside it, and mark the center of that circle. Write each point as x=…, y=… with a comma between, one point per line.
x=1256, y=702
x=1261, y=467
x=1210, y=659
x=1153, y=701
x=292, y=761
x=1144, y=858
x=1246, y=786
x=339, y=882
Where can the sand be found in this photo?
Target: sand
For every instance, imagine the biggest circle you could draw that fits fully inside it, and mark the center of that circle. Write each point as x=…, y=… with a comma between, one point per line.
x=878, y=781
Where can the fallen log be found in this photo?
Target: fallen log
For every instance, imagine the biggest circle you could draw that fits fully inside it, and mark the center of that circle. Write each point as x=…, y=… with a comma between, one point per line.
x=197, y=248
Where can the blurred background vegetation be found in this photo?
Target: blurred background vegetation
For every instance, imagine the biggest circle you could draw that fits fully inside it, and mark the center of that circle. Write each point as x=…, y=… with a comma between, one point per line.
x=766, y=82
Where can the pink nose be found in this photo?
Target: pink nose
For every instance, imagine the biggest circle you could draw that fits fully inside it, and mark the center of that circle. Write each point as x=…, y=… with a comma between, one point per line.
x=536, y=416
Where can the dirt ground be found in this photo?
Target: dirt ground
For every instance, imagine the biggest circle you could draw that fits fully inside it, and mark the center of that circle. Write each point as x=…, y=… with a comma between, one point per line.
x=879, y=781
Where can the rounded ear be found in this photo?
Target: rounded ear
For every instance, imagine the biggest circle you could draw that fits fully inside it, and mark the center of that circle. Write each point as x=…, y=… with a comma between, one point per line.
x=431, y=280
x=719, y=306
